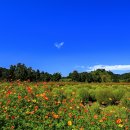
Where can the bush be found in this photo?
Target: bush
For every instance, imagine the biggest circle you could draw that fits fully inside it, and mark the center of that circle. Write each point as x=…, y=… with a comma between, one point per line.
x=92, y=95
x=126, y=100
x=95, y=108
x=118, y=94
x=116, y=111
x=84, y=95
x=105, y=96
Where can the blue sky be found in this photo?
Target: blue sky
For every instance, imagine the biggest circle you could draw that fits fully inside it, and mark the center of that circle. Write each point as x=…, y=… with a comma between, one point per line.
x=64, y=35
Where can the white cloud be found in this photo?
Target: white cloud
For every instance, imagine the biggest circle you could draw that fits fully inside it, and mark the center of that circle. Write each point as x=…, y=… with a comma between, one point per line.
x=80, y=66
x=110, y=67
x=59, y=45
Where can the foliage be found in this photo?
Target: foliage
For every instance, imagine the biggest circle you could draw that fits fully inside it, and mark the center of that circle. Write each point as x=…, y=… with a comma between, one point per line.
x=104, y=96
x=126, y=100
x=57, y=106
x=84, y=95
x=23, y=73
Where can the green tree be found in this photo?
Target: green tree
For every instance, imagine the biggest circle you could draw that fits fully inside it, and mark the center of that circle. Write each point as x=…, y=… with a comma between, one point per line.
x=21, y=72
x=4, y=74
x=38, y=75
x=74, y=76
x=56, y=76
x=12, y=72
x=31, y=75
x=83, y=76
x=42, y=76
x=47, y=77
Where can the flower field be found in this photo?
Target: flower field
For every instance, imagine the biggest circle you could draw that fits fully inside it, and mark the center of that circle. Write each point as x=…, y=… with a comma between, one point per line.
x=64, y=106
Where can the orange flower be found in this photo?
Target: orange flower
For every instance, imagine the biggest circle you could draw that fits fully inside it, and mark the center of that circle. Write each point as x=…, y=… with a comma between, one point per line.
x=45, y=97
x=29, y=89
x=85, y=110
x=44, y=83
x=19, y=97
x=118, y=121
x=72, y=100
x=95, y=116
x=70, y=115
x=46, y=117
x=81, y=105
x=55, y=116
x=104, y=118
x=69, y=123
x=35, y=108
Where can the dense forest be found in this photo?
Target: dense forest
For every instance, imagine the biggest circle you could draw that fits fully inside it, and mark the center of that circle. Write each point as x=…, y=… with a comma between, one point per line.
x=23, y=73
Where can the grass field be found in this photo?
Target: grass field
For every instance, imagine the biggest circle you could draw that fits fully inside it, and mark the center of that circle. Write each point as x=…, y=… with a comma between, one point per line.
x=64, y=106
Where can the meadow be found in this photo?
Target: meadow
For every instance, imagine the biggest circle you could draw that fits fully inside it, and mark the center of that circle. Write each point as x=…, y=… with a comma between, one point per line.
x=64, y=106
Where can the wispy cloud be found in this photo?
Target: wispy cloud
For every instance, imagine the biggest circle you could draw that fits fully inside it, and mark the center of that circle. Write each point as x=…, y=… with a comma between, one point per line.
x=80, y=67
x=59, y=45
x=110, y=67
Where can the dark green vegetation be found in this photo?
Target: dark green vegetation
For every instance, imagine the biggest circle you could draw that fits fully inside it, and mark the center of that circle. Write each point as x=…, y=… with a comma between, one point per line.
x=24, y=73
x=64, y=106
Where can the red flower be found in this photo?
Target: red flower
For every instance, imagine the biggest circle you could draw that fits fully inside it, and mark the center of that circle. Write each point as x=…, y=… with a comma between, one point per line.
x=29, y=89
x=12, y=127
x=8, y=93
x=13, y=117
x=19, y=97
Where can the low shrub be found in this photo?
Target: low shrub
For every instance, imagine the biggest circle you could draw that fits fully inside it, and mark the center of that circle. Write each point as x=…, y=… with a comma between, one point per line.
x=92, y=96
x=95, y=108
x=126, y=100
x=83, y=94
x=104, y=96
x=118, y=94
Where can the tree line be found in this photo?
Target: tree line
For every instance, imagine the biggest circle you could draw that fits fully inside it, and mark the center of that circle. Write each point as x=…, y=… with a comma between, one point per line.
x=23, y=73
